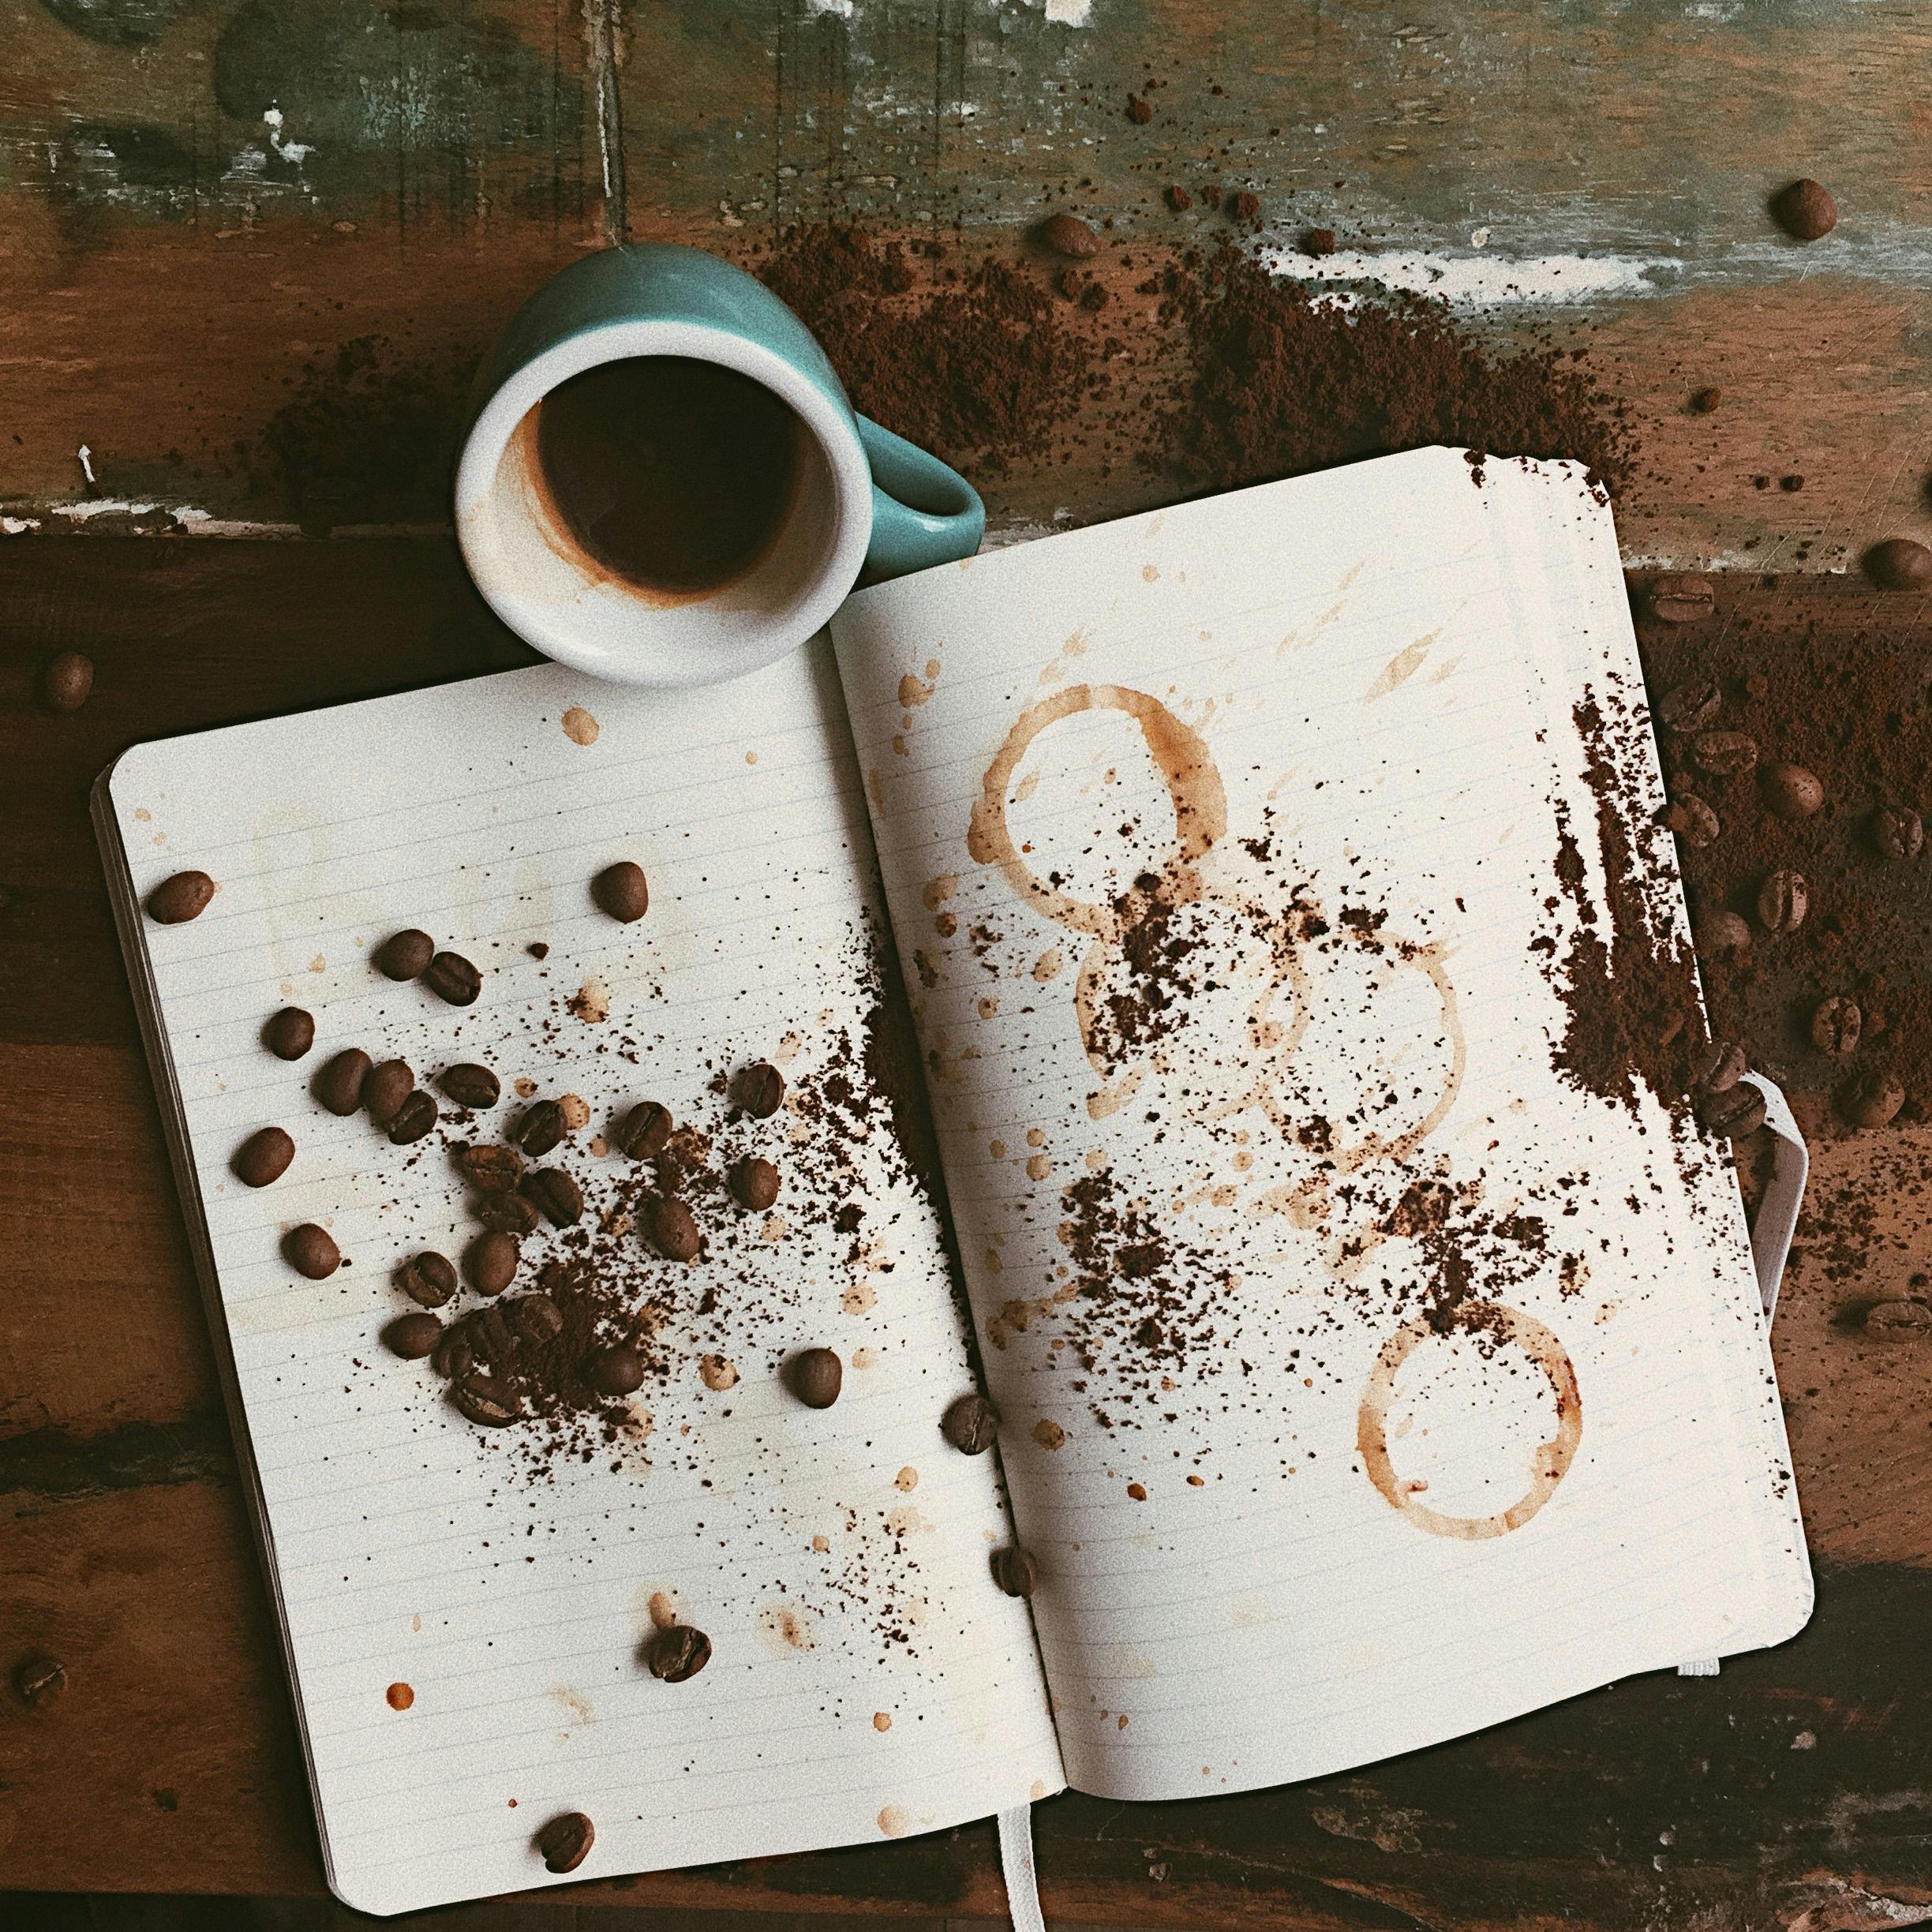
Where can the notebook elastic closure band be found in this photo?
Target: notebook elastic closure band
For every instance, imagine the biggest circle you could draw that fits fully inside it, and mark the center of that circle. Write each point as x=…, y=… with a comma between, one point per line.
x=1016, y=1842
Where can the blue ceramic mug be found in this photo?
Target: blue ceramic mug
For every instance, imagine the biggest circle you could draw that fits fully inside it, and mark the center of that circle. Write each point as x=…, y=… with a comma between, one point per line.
x=860, y=496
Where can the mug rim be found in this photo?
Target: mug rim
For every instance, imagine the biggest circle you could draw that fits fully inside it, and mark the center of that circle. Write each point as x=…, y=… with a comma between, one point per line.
x=633, y=659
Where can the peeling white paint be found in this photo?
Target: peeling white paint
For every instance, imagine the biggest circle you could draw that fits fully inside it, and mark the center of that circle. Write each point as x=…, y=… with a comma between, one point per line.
x=1485, y=280
x=295, y=153
x=18, y=526
x=87, y=465
x=842, y=8
x=1069, y=13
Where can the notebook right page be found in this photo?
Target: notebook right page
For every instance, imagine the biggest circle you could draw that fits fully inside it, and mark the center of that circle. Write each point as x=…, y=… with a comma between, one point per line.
x=1369, y=1358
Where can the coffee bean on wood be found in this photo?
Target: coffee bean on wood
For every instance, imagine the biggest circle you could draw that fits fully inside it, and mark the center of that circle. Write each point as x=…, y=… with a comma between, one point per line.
x=755, y=1183
x=67, y=681
x=565, y=1842
x=176, y=900
x=1693, y=820
x=414, y=1337
x=1835, y=1024
x=490, y=1263
x=507, y=1213
x=385, y=1086
x=1898, y=1321
x=484, y=1400
x=1805, y=209
x=470, y=1085
x=290, y=1033
x=1690, y=707
x=970, y=1424
x=264, y=1157
x=1067, y=234
x=540, y=1129
x=491, y=1169
x=1783, y=900
x=557, y=1194
x=1722, y=932
x=1716, y=1065
x=1015, y=1570
x=644, y=1131
x=1896, y=832
x=815, y=1376
x=669, y=1228
x=312, y=1251
x=677, y=1653
x=338, y=1085
x=1681, y=599
x=1724, y=753
x=1790, y=791
x=1736, y=1111
x=622, y=891
x=451, y=977
x=406, y=955
x=759, y=1089
x=428, y=1278
x=1871, y=1098
x=412, y=1119
x=1898, y=564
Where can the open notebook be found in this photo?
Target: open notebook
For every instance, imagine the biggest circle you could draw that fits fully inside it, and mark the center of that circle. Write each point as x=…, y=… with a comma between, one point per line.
x=1364, y=1378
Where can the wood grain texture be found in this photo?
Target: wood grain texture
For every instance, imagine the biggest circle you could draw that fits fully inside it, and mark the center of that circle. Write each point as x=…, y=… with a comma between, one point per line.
x=1792, y=1792
x=246, y=238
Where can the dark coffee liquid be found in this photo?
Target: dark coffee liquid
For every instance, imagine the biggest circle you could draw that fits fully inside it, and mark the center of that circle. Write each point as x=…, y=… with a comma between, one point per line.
x=673, y=474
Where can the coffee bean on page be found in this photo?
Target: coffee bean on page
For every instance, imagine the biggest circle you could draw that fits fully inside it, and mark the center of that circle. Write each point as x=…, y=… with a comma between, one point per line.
x=1790, y=791
x=176, y=900
x=39, y=1679
x=755, y=1183
x=622, y=891
x=1836, y=1025
x=484, y=1400
x=1805, y=209
x=1896, y=832
x=970, y=1424
x=566, y=1841
x=490, y=1263
x=759, y=1089
x=1783, y=900
x=1690, y=707
x=1870, y=1099
x=385, y=1086
x=1735, y=1112
x=815, y=1376
x=677, y=1653
x=490, y=1336
x=557, y=1194
x=428, y=1278
x=507, y=1213
x=540, y=1129
x=413, y=1336
x=404, y=955
x=264, y=1157
x=338, y=1084
x=470, y=1085
x=1716, y=1065
x=1721, y=932
x=1898, y=1321
x=618, y=1370
x=1693, y=820
x=643, y=1132
x=1898, y=564
x=450, y=977
x=312, y=1251
x=67, y=680
x=1681, y=599
x=413, y=1119
x=669, y=1228
x=290, y=1033
x=453, y=1357
x=1015, y=1571
x=535, y=1317
x=491, y=1170
x=1724, y=753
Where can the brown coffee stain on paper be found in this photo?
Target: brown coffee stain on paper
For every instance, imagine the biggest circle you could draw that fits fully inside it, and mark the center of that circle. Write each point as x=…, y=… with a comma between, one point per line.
x=579, y=727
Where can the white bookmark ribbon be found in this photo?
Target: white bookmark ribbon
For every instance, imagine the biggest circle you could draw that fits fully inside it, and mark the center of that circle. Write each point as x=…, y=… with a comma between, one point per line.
x=1016, y=1840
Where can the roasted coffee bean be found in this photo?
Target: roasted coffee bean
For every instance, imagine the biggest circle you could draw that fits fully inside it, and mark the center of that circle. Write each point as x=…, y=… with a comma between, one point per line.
x=1783, y=900
x=1319, y=241
x=1736, y=1111
x=176, y=900
x=1898, y=1321
x=759, y=1089
x=668, y=1226
x=1805, y=209
x=621, y=891
x=1067, y=234
x=414, y=1337
x=290, y=1033
x=486, y=1401
x=1690, y=707
x=264, y=1157
x=565, y=1841
x=559, y=1197
x=1716, y=1065
x=39, y=1679
x=643, y=1132
x=1693, y=820
x=1015, y=1571
x=508, y=1212
x=1896, y=832
x=1835, y=1024
x=413, y=1118
x=1898, y=564
x=618, y=1370
x=540, y=1129
x=450, y=977
x=1790, y=791
x=490, y=1336
x=677, y=1653
x=491, y=1170
x=470, y=1085
x=1724, y=753
x=1721, y=932
x=404, y=955
x=970, y=1424
x=385, y=1086
x=339, y=1083
x=312, y=1251
x=1871, y=1098
x=491, y=1262
x=815, y=1376
x=66, y=680
x=1681, y=599
x=428, y=1278
x=535, y=1317
x=453, y=1357
x=755, y=1183
x=1705, y=401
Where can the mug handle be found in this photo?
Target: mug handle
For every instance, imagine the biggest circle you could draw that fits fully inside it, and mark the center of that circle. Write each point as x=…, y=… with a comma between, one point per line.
x=923, y=511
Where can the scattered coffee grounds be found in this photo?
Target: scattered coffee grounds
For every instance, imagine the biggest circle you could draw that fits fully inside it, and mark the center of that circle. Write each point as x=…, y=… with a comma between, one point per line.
x=290, y=1033
x=176, y=900
x=1898, y=564
x=312, y=1251
x=67, y=681
x=1287, y=380
x=565, y=1842
x=264, y=1157
x=404, y=955
x=39, y=1679
x=622, y=891
x=1805, y=209
x=815, y=1376
x=338, y=1083
x=677, y=1653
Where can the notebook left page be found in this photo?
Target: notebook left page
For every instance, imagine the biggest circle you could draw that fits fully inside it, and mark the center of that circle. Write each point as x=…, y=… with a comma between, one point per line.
x=467, y=1604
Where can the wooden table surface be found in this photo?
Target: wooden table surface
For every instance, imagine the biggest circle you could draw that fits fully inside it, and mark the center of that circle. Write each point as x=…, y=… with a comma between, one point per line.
x=250, y=247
